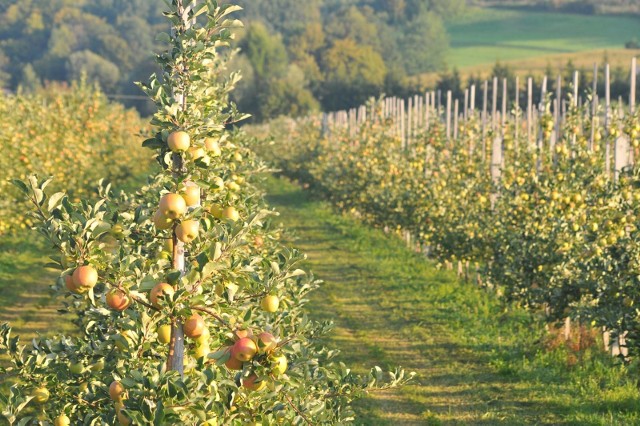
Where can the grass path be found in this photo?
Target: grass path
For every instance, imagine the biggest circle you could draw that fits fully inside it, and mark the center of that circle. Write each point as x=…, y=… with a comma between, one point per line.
x=476, y=363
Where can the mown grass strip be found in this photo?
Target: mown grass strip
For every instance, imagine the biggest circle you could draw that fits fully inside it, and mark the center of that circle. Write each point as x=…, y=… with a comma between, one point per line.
x=477, y=362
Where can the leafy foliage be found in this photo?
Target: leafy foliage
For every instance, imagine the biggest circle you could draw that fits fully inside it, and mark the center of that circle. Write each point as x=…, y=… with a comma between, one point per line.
x=556, y=233
x=246, y=357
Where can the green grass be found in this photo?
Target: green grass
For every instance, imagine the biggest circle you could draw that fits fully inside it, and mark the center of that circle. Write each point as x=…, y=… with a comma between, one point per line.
x=477, y=363
x=487, y=35
x=25, y=300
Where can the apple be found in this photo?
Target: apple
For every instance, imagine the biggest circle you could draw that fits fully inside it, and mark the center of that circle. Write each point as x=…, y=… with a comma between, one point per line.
x=218, y=183
x=41, y=395
x=178, y=141
x=161, y=221
x=216, y=210
x=122, y=418
x=116, y=391
x=191, y=195
x=253, y=384
x=201, y=351
x=194, y=326
x=98, y=365
x=172, y=206
x=161, y=289
x=118, y=300
x=70, y=285
x=270, y=303
x=211, y=422
x=232, y=363
x=237, y=156
x=212, y=146
x=117, y=231
x=196, y=153
x=85, y=277
x=187, y=230
x=258, y=241
x=266, y=342
x=203, y=339
x=244, y=349
x=232, y=186
x=76, y=367
x=279, y=364
x=230, y=213
x=62, y=420
x=164, y=333
x=129, y=337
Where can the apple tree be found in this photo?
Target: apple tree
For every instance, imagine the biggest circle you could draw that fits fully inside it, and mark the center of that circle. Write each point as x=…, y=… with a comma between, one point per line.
x=189, y=309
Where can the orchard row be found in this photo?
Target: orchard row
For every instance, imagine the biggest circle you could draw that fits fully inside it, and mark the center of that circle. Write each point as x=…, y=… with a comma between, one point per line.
x=548, y=219
x=72, y=134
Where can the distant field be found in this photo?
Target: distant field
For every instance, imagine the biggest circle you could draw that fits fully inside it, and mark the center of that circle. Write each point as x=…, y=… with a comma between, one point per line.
x=487, y=35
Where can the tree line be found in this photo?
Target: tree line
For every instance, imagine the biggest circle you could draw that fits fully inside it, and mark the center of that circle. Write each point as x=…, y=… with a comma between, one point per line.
x=295, y=56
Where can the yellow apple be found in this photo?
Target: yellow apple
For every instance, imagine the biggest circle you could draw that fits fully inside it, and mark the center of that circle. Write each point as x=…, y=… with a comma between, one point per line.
x=191, y=195
x=187, y=230
x=178, y=141
x=161, y=221
x=85, y=277
x=164, y=333
x=270, y=303
x=212, y=146
x=172, y=206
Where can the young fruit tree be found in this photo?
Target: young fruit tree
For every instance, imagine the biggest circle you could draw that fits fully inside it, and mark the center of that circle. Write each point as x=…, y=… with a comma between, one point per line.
x=188, y=307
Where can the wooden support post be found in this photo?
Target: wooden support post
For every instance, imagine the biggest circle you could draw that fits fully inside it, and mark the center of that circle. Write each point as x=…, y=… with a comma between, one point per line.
x=529, y=108
x=448, y=124
x=607, y=119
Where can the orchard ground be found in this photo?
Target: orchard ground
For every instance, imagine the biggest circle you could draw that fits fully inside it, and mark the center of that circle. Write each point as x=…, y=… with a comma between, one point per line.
x=477, y=363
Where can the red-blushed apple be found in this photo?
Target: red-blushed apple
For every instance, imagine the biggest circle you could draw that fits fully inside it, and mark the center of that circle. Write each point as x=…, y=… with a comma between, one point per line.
x=232, y=363
x=191, y=195
x=172, y=206
x=164, y=333
x=70, y=285
x=178, y=141
x=244, y=349
x=116, y=391
x=118, y=300
x=85, y=277
x=187, y=230
x=253, y=384
x=270, y=303
x=266, y=342
x=194, y=326
x=161, y=289
x=258, y=241
x=161, y=221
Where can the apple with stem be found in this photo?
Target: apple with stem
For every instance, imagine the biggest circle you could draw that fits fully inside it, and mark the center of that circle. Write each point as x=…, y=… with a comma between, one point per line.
x=117, y=300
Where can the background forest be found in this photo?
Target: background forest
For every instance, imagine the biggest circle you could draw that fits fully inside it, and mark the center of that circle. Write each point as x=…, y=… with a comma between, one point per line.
x=296, y=56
